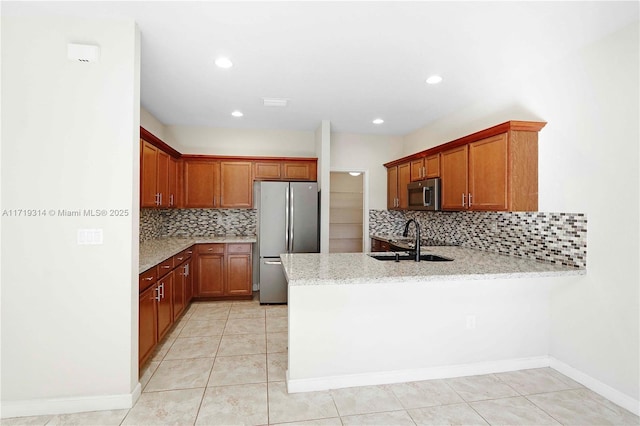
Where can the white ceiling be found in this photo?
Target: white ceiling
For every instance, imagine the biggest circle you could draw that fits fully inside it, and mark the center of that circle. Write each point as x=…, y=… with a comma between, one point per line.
x=348, y=62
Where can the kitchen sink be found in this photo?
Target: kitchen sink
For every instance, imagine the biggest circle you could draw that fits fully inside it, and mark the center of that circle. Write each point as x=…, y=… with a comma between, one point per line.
x=404, y=256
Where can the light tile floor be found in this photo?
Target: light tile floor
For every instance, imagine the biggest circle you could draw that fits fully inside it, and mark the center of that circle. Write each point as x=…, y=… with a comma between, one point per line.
x=224, y=363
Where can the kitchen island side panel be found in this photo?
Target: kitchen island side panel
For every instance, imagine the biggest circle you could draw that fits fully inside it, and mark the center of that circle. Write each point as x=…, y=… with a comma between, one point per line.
x=354, y=335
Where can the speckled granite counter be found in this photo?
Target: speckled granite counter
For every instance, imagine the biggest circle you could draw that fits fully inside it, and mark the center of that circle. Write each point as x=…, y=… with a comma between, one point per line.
x=155, y=251
x=359, y=268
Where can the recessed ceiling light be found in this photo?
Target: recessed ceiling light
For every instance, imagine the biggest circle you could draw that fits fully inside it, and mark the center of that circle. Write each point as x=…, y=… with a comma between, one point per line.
x=434, y=79
x=354, y=173
x=223, y=62
x=237, y=113
x=378, y=121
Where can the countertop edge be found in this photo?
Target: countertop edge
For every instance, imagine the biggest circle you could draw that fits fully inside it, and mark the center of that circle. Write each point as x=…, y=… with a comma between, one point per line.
x=164, y=248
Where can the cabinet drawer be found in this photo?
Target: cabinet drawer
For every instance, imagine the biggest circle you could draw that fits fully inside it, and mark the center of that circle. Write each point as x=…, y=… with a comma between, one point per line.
x=238, y=248
x=165, y=267
x=147, y=279
x=181, y=257
x=211, y=248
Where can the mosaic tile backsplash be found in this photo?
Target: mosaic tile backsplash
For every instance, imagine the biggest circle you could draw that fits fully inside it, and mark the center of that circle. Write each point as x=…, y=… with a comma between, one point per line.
x=553, y=237
x=196, y=222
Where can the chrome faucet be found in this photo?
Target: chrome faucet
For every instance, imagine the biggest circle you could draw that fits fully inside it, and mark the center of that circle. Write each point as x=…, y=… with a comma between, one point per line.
x=417, y=243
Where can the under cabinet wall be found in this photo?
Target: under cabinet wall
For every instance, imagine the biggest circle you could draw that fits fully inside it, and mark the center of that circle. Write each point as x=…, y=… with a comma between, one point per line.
x=552, y=237
x=156, y=223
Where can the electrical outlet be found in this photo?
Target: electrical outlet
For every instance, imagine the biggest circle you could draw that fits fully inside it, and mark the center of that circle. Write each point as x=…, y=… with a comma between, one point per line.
x=471, y=322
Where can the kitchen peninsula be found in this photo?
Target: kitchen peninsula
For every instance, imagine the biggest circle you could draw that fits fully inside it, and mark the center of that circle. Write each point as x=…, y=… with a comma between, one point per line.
x=355, y=320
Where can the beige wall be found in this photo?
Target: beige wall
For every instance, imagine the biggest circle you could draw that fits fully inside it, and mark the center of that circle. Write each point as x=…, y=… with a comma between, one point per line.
x=588, y=163
x=152, y=124
x=70, y=134
x=366, y=153
x=221, y=141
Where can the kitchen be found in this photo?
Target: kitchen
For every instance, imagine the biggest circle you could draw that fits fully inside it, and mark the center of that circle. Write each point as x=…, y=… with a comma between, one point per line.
x=589, y=106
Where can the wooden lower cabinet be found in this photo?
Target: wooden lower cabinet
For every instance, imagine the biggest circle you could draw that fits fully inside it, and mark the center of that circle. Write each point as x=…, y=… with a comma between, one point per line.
x=204, y=271
x=238, y=260
x=147, y=323
x=379, y=245
x=165, y=304
x=210, y=270
x=223, y=270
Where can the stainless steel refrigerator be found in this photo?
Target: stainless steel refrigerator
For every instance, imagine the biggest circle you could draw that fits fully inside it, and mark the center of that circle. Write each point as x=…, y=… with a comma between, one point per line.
x=287, y=223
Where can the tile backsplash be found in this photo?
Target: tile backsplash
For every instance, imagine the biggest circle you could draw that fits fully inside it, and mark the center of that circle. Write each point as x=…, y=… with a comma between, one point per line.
x=553, y=237
x=196, y=222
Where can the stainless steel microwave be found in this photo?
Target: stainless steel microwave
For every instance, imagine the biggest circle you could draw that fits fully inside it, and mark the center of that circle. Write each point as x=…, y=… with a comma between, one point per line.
x=424, y=195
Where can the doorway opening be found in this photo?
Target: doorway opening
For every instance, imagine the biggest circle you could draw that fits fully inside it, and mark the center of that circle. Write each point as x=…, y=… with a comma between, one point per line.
x=346, y=213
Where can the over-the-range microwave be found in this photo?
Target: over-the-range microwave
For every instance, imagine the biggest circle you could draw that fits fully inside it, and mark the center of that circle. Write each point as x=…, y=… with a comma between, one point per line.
x=424, y=195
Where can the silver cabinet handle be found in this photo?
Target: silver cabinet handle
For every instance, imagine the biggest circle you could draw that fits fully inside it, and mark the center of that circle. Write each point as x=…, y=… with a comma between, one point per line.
x=147, y=279
x=165, y=266
x=186, y=270
x=162, y=288
x=469, y=200
x=171, y=199
x=179, y=258
x=210, y=249
x=463, y=200
x=157, y=293
x=273, y=262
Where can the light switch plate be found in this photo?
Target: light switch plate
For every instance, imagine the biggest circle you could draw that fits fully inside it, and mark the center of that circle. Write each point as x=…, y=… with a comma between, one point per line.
x=90, y=236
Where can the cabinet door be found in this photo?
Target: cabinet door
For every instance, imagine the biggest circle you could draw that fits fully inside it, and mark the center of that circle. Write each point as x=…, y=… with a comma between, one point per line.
x=162, y=185
x=432, y=166
x=488, y=173
x=267, y=170
x=454, y=179
x=179, y=290
x=201, y=179
x=147, y=325
x=188, y=284
x=404, y=177
x=236, y=184
x=392, y=187
x=165, y=304
x=210, y=274
x=299, y=170
x=173, y=182
x=148, y=174
x=239, y=281
x=417, y=170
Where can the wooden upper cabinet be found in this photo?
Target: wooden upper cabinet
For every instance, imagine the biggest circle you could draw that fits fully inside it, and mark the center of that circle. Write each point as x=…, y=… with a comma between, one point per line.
x=488, y=174
x=432, y=166
x=300, y=170
x=173, y=182
x=495, y=169
x=267, y=170
x=454, y=179
x=158, y=177
x=148, y=174
x=162, y=186
x=398, y=178
x=236, y=184
x=404, y=177
x=417, y=170
x=201, y=183
x=392, y=187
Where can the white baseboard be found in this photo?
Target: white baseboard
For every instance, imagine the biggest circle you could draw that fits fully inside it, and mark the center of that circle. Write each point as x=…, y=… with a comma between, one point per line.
x=387, y=377
x=613, y=395
x=40, y=407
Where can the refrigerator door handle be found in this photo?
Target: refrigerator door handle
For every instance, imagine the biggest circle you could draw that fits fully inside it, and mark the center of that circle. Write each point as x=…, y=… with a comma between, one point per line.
x=286, y=218
x=292, y=218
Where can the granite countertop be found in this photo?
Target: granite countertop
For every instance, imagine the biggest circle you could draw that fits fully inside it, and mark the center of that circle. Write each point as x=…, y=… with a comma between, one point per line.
x=359, y=268
x=157, y=250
